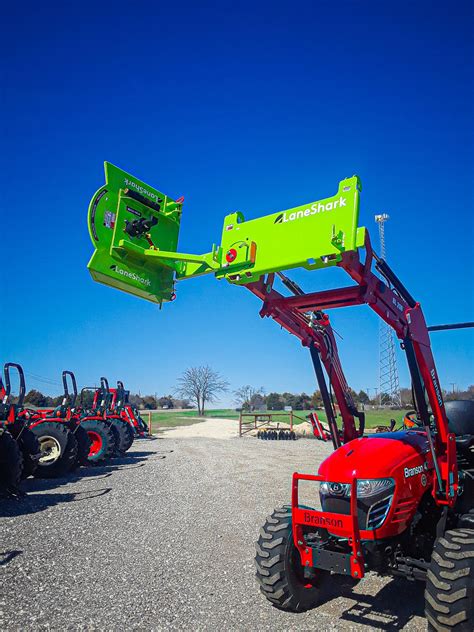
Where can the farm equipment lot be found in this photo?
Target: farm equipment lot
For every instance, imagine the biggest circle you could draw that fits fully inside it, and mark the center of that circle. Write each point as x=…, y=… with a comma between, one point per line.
x=165, y=540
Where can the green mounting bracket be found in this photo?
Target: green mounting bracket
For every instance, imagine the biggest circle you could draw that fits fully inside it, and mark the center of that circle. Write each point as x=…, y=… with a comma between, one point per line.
x=135, y=229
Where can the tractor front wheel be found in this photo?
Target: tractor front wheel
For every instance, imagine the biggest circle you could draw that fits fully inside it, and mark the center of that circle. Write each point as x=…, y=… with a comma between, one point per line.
x=11, y=463
x=102, y=440
x=83, y=446
x=123, y=435
x=279, y=570
x=58, y=448
x=449, y=594
x=30, y=449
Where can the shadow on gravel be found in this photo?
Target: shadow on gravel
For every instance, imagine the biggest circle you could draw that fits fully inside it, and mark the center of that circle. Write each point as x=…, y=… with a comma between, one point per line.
x=130, y=461
x=7, y=556
x=390, y=609
x=134, y=456
x=33, y=503
x=44, y=484
x=93, y=472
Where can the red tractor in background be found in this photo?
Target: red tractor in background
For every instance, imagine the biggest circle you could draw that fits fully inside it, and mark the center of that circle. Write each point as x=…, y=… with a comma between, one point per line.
x=64, y=442
x=19, y=448
x=48, y=442
x=109, y=433
x=120, y=405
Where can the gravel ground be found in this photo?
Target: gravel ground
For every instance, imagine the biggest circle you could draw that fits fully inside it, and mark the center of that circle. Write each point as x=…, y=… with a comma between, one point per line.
x=163, y=539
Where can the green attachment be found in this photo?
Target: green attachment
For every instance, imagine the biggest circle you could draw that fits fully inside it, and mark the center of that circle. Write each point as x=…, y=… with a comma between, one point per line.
x=311, y=236
x=123, y=204
x=135, y=228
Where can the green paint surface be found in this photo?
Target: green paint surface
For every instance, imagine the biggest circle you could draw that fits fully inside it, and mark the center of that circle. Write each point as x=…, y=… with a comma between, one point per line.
x=311, y=236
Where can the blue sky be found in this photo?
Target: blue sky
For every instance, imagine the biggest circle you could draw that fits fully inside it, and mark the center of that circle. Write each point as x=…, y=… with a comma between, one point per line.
x=249, y=106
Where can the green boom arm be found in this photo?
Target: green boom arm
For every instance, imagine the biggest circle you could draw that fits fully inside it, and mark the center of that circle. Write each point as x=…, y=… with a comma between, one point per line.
x=135, y=228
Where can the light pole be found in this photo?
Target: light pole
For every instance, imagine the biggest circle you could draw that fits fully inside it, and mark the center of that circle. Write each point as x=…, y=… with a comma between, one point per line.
x=389, y=384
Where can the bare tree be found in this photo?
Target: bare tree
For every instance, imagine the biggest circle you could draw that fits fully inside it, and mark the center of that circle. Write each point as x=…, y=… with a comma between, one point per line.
x=248, y=396
x=201, y=385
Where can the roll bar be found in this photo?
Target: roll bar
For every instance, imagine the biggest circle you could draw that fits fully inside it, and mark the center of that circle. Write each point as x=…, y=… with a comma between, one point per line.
x=68, y=397
x=21, y=376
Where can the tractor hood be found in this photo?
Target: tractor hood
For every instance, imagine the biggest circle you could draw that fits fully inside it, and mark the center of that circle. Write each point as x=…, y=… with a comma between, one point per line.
x=376, y=456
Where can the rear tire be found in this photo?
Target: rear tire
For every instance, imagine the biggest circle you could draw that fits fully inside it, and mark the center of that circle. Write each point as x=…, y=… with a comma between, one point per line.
x=449, y=594
x=83, y=446
x=123, y=435
x=102, y=440
x=279, y=570
x=11, y=462
x=59, y=447
x=30, y=448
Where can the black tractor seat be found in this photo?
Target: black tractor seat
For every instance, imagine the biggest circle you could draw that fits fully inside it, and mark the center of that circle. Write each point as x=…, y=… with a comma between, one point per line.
x=460, y=414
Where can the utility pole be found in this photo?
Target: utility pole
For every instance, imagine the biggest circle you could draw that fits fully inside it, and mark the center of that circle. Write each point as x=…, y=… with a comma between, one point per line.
x=453, y=384
x=389, y=383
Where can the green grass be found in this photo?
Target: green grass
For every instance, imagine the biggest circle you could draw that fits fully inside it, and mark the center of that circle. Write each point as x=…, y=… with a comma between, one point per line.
x=373, y=418
x=170, y=419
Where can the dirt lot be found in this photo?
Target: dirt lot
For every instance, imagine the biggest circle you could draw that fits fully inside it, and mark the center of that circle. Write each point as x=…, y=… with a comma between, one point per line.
x=163, y=539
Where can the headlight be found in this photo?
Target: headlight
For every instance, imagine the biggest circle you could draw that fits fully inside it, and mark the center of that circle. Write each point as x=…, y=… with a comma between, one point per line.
x=335, y=489
x=372, y=486
x=366, y=487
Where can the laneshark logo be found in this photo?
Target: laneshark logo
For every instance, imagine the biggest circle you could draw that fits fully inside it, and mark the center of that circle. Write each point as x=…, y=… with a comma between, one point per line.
x=315, y=208
x=142, y=190
x=131, y=275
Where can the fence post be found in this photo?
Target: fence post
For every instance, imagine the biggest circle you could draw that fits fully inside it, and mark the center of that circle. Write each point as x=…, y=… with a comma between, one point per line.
x=291, y=420
x=240, y=424
x=149, y=424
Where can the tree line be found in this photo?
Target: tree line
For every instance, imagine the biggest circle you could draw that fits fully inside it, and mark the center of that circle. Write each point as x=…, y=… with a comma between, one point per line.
x=251, y=398
x=199, y=386
x=144, y=402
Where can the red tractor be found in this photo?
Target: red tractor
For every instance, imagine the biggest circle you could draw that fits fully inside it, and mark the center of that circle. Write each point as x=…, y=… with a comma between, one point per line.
x=396, y=503
x=19, y=448
x=120, y=405
x=64, y=442
x=108, y=432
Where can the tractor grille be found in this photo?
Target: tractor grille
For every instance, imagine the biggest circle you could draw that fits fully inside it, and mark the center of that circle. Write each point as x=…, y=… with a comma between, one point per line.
x=378, y=512
x=370, y=514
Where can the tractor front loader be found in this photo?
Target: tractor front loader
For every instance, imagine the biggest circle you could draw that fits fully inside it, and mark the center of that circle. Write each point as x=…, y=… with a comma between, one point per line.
x=396, y=503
